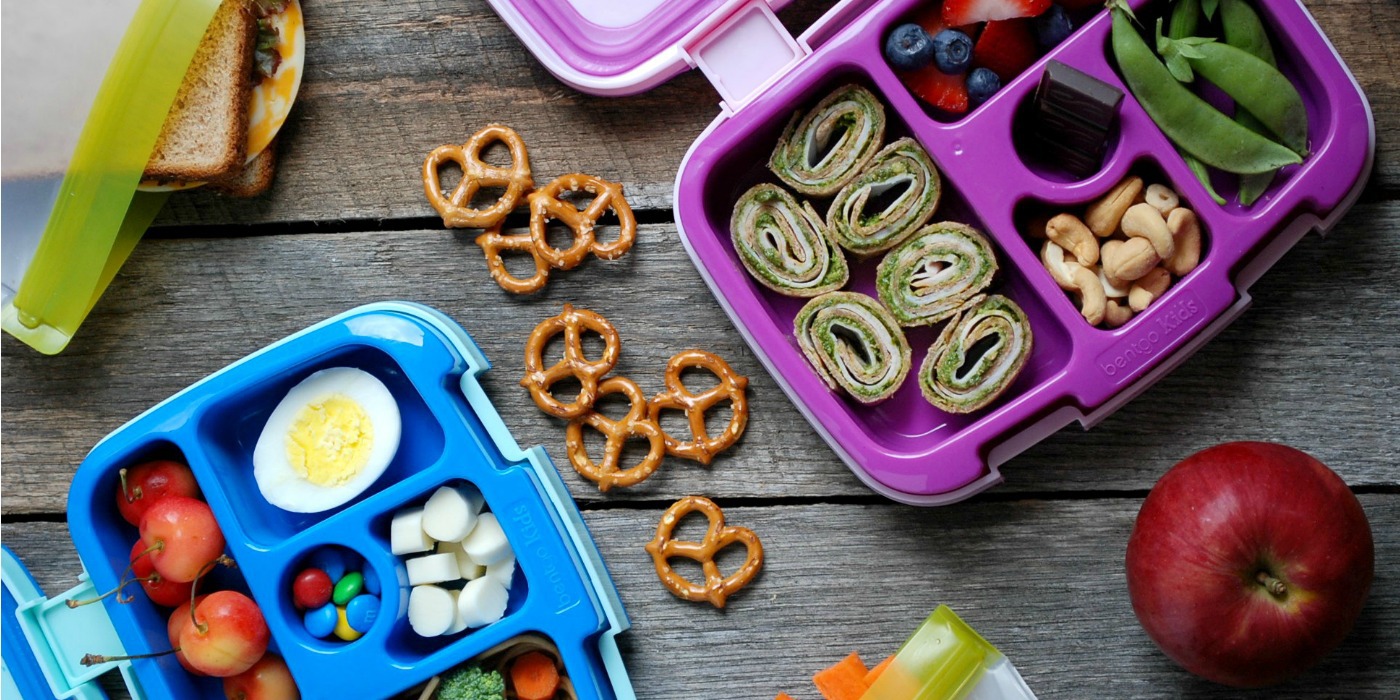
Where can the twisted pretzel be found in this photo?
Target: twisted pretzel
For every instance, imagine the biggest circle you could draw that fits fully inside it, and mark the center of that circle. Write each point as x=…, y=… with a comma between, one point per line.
x=609, y=473
x=538, y=379
x=493, y=243
x=701, y=447
x=716, y=588
x=455, y=209
x=546, y=205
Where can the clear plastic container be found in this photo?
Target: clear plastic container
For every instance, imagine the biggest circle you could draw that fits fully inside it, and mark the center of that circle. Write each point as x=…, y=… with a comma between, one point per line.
x=945, y=659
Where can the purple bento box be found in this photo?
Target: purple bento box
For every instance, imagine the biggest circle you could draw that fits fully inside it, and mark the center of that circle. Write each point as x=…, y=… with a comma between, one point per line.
x=905, y=448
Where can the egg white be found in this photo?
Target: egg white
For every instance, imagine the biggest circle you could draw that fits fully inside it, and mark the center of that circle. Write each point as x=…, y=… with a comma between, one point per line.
x=280, y=483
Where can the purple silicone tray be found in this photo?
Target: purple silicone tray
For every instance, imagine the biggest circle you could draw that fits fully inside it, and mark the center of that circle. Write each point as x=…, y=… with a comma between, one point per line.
x=905, y=448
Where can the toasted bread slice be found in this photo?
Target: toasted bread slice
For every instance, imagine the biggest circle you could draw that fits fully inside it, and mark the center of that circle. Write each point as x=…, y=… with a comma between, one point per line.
x=205, y=135
x=254, y=178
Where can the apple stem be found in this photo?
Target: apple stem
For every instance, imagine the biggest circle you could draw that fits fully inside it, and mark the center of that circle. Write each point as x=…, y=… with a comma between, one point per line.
x=1274, y=586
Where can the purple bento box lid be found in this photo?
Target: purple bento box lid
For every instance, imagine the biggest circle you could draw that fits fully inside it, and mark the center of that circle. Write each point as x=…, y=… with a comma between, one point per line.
x=613, y=47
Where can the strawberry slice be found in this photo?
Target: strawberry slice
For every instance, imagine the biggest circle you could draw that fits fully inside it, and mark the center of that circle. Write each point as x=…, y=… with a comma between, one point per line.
x=930, y=17
x=1006, y=47
x=959, y=12
x=946, y=92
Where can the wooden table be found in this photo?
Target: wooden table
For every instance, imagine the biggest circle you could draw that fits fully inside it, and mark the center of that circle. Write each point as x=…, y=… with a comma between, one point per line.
x=1036, y=565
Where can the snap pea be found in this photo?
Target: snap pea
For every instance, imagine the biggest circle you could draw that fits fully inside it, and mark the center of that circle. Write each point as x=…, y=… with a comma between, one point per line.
x=1185, y=21
x=1259, y=88
x=1185, y=118
x=1244, y=30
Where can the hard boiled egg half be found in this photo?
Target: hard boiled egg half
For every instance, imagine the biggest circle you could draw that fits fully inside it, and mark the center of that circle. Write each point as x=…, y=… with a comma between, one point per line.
x=330, y=438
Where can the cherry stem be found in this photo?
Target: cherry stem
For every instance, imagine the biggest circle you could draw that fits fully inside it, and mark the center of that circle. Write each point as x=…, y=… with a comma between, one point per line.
x=224, y=559
x=95, y=659
x=1275, y=587
x=130, y=498
x=123, y=582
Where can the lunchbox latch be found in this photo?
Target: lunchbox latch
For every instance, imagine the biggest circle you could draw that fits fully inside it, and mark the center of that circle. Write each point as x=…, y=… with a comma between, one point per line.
x=745, y=52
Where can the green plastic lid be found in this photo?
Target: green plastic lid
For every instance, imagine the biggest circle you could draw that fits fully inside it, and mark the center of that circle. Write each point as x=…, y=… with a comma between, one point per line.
x=72, y=214
x=943, y=660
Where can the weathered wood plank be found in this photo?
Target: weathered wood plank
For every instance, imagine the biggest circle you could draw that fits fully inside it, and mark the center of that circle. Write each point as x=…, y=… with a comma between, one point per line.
x=387, y=82
x=1314, y=363
x=1041, y=580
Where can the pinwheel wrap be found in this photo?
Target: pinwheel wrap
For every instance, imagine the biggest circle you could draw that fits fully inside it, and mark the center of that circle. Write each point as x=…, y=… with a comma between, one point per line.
x=825, y=148
x=786, y=246
x=932, y=275
x=854, y=344
x=977, y=356
x=890, y=199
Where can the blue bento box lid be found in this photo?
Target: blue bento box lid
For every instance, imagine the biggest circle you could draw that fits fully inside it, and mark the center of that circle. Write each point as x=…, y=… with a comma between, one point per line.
x=451, y=432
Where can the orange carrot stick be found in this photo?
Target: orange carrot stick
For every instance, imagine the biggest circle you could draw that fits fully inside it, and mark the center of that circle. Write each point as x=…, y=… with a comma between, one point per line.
x=783, y=696
x=534, y=677
x=843, y=681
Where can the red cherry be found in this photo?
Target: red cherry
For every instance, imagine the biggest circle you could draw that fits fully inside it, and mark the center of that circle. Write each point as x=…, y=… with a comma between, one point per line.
x=144, y=484
x=175, y=625
x=160, y=590
x=268, y=679
x=311, y=589
x=227, y=635
x=183, y=537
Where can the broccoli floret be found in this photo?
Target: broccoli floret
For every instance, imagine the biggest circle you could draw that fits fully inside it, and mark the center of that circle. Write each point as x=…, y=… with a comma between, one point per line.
x=471, y=683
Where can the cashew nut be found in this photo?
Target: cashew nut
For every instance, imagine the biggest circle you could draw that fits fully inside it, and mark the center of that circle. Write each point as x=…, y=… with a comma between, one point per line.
x=1186, y=229
x=1103, y=216
x=1130, y=260
x=1060, y=265
x=1115, y=314
x=1149, y=288
x=1162, y=198
x=1113, y=288
x=1072, y=235
x=1091, y=297
x=1144, y=221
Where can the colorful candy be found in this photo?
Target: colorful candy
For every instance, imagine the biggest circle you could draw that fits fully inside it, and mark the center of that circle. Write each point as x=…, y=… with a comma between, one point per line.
x=348, y=587
x=343, y=606
x=311, y=589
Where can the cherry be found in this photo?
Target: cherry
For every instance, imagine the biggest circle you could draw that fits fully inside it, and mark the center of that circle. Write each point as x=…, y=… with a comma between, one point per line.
x=144, y=484
x=182, y=536
x=226, y=634
x=175, y=625
x=161, y=591
x=311, y=589
x=268, y=679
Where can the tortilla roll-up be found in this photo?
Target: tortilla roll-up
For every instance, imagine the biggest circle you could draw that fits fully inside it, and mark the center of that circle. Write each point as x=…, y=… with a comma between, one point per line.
x=825, y=148
x=865, y=220
x=963, y=372
x=784, y=245
x=930, y=276
x=854, y=344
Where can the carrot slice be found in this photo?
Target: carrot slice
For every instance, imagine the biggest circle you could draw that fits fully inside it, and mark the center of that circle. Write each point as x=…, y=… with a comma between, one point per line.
x=843, y=681
x=879, y=668
x=534, y=677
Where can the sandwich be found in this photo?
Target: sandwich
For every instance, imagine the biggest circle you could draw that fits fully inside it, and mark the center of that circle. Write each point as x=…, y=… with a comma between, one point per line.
x=222, y=128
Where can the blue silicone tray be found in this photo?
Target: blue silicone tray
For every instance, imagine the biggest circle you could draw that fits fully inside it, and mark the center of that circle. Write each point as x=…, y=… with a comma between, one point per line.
x=451, y=431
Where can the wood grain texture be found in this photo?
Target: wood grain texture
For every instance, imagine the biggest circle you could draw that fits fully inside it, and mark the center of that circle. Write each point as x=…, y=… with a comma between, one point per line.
x=385, y=83
x=1041, y=580
x=1312, y=364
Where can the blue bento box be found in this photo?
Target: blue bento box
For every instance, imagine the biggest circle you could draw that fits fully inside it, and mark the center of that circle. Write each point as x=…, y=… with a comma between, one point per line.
x=451, y=432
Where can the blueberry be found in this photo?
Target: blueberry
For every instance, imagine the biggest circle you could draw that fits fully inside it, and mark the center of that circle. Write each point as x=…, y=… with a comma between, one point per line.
x=1052, y=27
x=982, y=83
x=909, y=47
x=952, y=51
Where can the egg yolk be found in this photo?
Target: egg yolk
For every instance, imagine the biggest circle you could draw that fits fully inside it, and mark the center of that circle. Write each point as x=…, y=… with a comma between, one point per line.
x=330, y=440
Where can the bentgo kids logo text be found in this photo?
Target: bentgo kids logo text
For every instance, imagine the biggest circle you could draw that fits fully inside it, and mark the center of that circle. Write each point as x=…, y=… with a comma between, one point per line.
x=1169, y=323
x=530, y=535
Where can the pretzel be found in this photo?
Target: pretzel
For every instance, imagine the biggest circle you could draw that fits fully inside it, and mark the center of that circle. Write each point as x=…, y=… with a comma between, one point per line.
x=493, y=242
x=701, y=447
x=608, y=473
x=716, y=588
x=546, y=205
x=455, y=209
x=572, y=323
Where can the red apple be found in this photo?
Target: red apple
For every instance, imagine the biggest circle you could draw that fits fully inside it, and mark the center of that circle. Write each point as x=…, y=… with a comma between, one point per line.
x=1249, y=562
x=268, y=679
x=227, y=635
